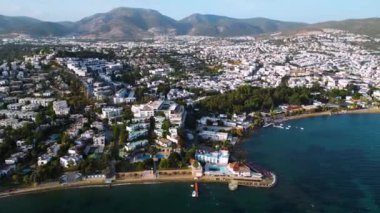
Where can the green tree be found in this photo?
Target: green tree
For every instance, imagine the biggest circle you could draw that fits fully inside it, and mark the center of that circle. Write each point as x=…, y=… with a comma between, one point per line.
x=258, y=120
x=163, y=89
x=140, y=166
x=123, y=166
x=127, y=114
x=28, y=66
x=164, y=164
x=174, y=160
x=40, y=118
x=50, y=111
x=165, y=127
x=92, y=164
x=122, y=135
x=195, y=164
x=190, y=154
x=64, y=138
x=356, y=96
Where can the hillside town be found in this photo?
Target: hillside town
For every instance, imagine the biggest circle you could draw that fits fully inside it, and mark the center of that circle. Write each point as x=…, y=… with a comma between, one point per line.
x=96, y=109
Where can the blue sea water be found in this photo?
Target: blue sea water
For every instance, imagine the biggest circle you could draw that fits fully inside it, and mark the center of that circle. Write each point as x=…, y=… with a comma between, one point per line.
x=333, y=165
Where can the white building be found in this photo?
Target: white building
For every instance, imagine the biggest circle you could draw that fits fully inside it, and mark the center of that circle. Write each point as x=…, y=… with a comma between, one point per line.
x=97, y=125
x=111, y=112
x=142, y=111
x=134, y=145
x=11, y=161
x=138, y=126
x=54, y=149
x=123, y=96
x=163, y=142
x=43, y=159
x=376, y=94
x=173, y=135
x=220, y=157
x=133, y=135
x=39, y=101
x=99, y=140
x=80, y=71
x=70, y=160
x=174, y=112
x=61, y=108
x=214, y=136
x=20, y=144
x=30, y=107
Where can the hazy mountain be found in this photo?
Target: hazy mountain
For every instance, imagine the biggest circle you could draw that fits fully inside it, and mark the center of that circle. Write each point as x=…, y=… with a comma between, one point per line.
x=369, y=26
x=126, y=23
x=213, y=25
x=131, y=23
x=34, y=27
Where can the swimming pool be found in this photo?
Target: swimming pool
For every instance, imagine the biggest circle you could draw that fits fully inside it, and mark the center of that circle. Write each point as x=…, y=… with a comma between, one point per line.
x=216, y=169
x=141, y=157
x=160, y=155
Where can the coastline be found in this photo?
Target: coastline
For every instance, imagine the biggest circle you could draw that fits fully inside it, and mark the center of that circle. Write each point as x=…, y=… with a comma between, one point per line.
x=56, y=186
x=162, y=179
x=329, y=113
x=42, y=188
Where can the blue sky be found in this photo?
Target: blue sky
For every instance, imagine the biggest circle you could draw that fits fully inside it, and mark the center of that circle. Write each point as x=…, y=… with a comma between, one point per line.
x=288, y=10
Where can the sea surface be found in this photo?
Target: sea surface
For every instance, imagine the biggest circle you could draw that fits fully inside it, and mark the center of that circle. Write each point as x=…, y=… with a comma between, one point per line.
x=333, y=165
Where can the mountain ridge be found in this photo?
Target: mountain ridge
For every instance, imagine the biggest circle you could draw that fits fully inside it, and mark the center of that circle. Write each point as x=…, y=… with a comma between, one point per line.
x=137, y=23
x=367, y=26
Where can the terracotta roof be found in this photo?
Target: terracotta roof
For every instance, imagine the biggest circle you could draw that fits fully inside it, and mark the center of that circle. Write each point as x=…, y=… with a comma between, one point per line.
x=239, y=167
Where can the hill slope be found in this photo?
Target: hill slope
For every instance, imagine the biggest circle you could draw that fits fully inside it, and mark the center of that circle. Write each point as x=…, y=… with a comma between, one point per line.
x=213, y=25
x=369, y=26
x=132, y=23
x=34, y=27
x=126, y=23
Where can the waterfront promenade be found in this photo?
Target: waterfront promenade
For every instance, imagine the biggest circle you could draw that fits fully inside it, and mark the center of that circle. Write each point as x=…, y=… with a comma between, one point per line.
x=145, y=177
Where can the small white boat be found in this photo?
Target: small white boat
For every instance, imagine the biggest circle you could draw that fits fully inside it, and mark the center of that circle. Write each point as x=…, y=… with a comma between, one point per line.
x=268, y=125
x=192, y=186
x=302, y=128
x=194, y=194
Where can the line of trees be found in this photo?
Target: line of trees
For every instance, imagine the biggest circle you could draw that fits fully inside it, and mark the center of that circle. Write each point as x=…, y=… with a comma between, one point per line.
x=249, y=99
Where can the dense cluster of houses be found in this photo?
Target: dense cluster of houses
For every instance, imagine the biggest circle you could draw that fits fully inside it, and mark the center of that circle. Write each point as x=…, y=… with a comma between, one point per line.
x=160, y=111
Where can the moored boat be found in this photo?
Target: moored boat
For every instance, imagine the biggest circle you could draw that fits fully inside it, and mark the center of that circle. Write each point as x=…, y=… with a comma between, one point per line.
x=194, y=194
